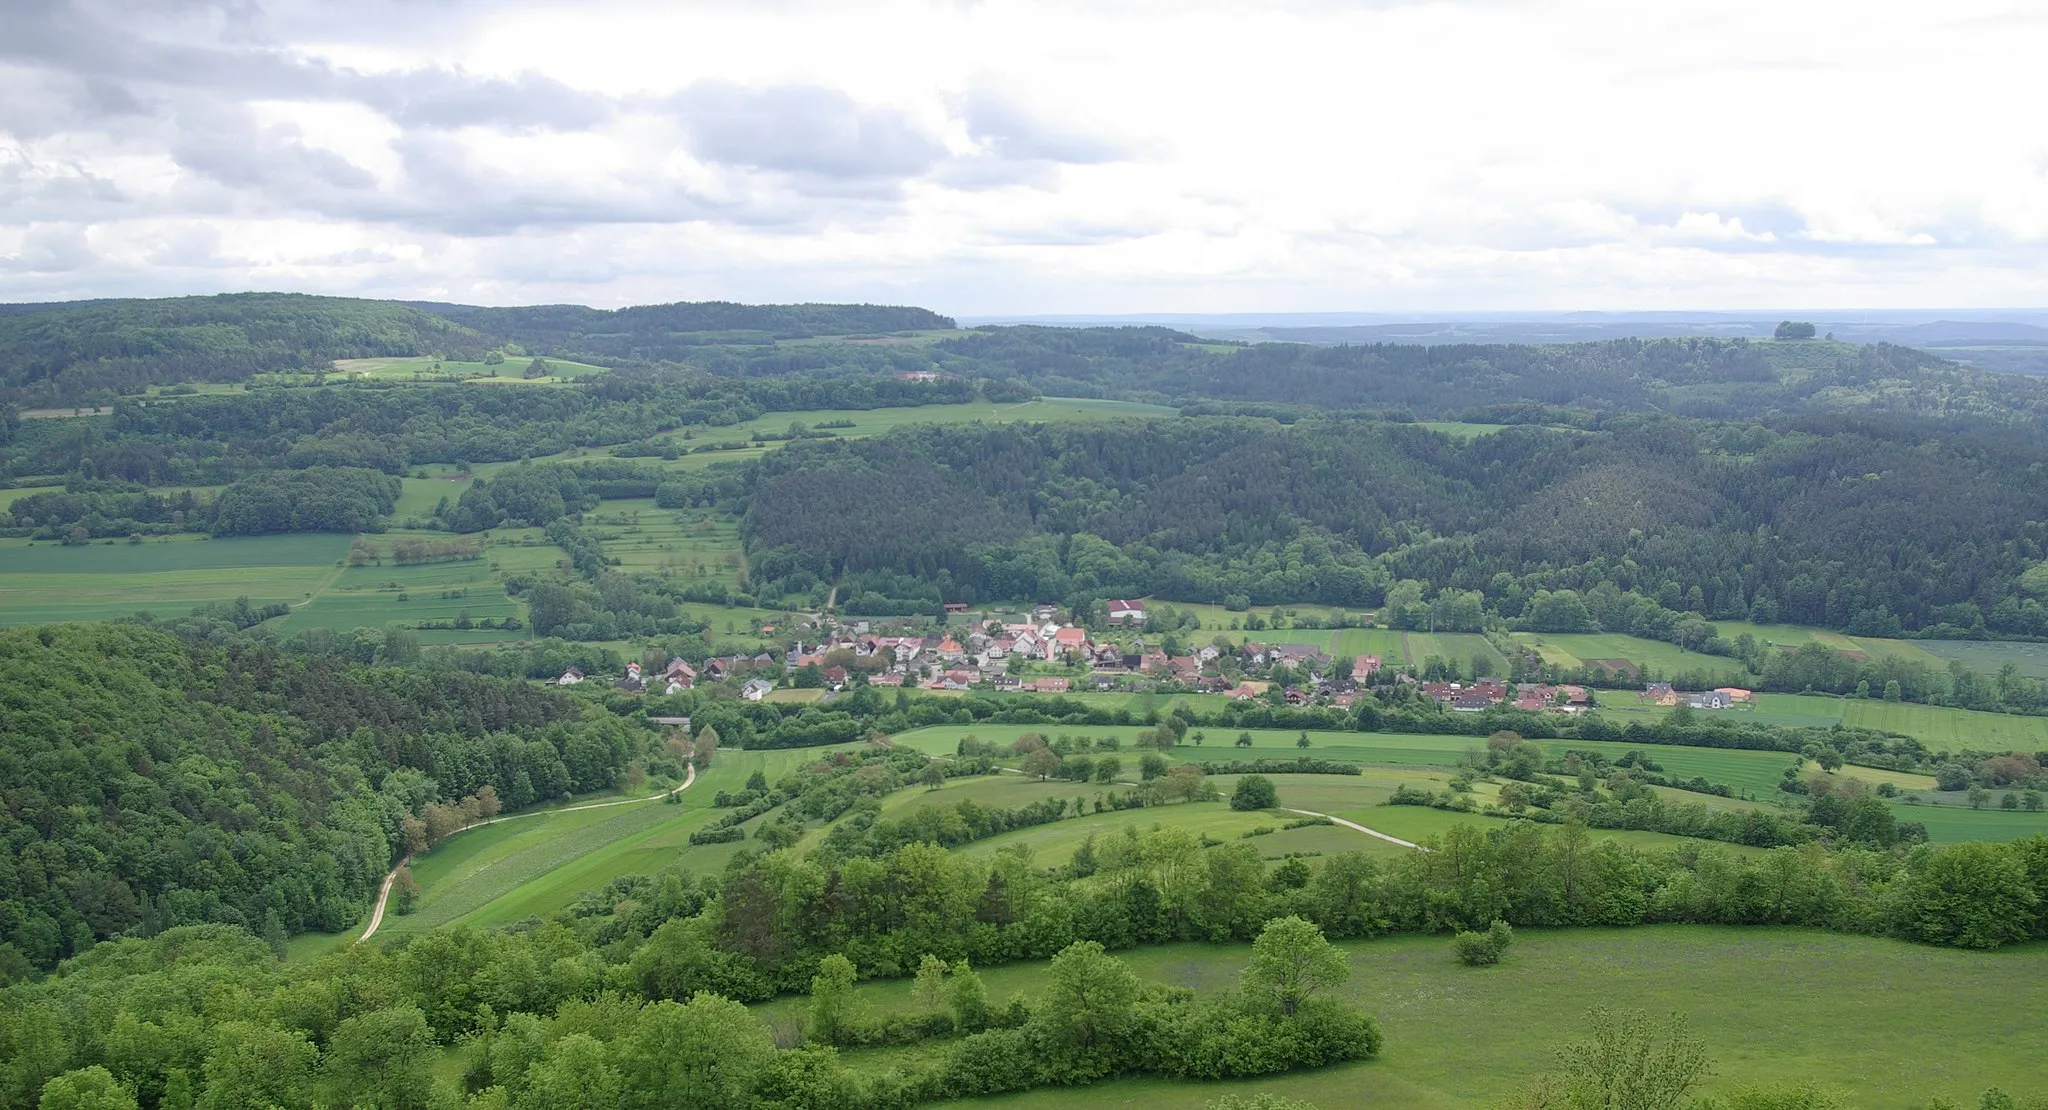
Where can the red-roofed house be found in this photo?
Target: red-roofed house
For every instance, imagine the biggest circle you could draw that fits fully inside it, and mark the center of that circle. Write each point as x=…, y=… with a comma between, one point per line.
x=1127, y=612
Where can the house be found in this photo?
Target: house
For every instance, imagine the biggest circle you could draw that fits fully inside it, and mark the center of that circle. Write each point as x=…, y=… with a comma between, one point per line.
x=676, y=686
x=756, y=689
x=956, y=607
x=950, y=651
x=1712, y=699
x=1244, y=691
x=1126, y=612
x=1066, y=640
x=1471, y=703
x=633, y=671
x=1736, y=695
x=1344, y=700
x=1660, y=693
x=1365, y=666
x=836, y=677
x=630, y=684
x=570, y=677
x=960, y=678
x=891, y=679
x=1208, y=654
x=680, y=669
x=1184, y=666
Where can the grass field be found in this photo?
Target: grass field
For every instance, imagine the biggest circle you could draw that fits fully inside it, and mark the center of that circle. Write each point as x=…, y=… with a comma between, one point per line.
x=533, y=866
x=169, y=576
x=1902, y=1024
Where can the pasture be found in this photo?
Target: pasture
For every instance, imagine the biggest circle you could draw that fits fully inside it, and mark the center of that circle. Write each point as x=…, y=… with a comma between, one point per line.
x=512, y=370
x=1904, y=1024
x=1986, y=655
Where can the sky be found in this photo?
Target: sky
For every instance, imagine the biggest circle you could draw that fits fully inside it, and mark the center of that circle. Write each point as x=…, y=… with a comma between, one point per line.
x=1105, y=156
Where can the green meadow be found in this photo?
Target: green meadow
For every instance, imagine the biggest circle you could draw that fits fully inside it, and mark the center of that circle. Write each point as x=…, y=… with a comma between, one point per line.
x=169, y=576
x=1903, y=1024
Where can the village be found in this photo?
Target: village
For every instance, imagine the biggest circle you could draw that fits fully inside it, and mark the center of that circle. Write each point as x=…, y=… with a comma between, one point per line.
x=1043, y=652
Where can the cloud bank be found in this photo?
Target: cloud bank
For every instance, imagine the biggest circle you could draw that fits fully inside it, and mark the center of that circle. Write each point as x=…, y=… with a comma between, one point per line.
x=999, y=157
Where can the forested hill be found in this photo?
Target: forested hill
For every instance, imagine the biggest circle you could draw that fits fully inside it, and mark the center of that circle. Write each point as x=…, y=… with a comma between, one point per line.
x=60, y=354
x=146, y=782
x=1867, y=527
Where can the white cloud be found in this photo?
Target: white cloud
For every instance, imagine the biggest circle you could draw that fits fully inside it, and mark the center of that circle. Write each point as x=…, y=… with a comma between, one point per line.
x=1008, y=156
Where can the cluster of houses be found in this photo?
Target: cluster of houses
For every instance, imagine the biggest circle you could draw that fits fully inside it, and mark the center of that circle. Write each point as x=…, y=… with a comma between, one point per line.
x=1003, y=655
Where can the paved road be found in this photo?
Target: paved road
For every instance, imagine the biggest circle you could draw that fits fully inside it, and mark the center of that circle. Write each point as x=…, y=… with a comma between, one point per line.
x=384, y=893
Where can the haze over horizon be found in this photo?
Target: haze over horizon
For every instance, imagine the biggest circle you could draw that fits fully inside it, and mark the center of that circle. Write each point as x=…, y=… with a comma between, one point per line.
x=1004, y=159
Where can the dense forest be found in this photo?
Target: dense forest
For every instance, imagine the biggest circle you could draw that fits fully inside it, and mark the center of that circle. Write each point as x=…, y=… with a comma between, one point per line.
x=1859, y=525
x=149, y=782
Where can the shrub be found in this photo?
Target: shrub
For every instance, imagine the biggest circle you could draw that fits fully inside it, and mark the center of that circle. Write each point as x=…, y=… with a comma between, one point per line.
x=1254, y=792
x=1483, y=949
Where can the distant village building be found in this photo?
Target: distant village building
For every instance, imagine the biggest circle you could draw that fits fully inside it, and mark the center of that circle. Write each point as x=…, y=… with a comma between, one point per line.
x=1126, y=612
x=570, y=677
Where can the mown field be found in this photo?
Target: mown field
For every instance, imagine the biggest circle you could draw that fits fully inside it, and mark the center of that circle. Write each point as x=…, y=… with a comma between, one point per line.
x=511, y=371
x=1889, y=1024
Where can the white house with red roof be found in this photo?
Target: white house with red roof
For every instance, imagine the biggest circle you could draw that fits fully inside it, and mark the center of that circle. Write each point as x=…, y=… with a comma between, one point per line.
x=1127, y=612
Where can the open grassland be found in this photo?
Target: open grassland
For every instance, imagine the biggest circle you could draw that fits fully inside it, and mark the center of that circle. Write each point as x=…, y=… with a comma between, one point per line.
x=694, y=545
x=9, y=496
x=534, y=865
x=1892, y=1025
x=1793, y=635
x=1459, y=430
x=1383, y=642
x=1216, y=619
x=169, y=576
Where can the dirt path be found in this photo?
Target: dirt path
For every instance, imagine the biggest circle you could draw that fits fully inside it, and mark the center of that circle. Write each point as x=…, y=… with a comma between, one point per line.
x=384, y=893
x=1359, y=827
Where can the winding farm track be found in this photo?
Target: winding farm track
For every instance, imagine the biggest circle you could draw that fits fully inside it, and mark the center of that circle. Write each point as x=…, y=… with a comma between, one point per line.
x=384, y=892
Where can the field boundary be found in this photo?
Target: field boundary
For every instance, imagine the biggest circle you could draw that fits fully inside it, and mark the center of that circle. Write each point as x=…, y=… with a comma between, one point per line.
x=1355, y=825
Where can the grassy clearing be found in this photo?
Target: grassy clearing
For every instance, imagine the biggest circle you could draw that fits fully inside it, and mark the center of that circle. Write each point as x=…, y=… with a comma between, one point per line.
x=1904, y=1023
x=1955, y=821
x=1454, y=647
x=1383, y=642
x=9, y=496
x=1459, y=430
x=49, y=582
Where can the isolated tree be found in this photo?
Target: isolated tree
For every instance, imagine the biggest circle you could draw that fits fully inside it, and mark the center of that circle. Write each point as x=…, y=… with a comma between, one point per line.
x=929, y=988
x=1244, y=739
x=967, y=996
x=1301, y=741
x=1041, y=763
x=1789, y=329
x=1254, y=792
x=1151, y=765
x=835, y=1007
x=1291, y=960
x=1090, y=999
x=932, y=776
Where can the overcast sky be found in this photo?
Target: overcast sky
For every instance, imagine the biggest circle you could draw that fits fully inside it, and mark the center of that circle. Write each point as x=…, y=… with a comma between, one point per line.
x=993, y=158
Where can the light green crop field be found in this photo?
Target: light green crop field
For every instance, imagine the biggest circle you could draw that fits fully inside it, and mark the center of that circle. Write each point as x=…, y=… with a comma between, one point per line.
x=1953, y=822
x=168, y=576
x=1571, y=649
x=1383, y=642
x=374, y=596
x=1979, y=655
x=694, y=545
x=9, y=496
x=511, y=371
x=1454, y=647
x=1903, y=1023
x=1793, y=635
x=1947, y=729
x=1459, y=430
